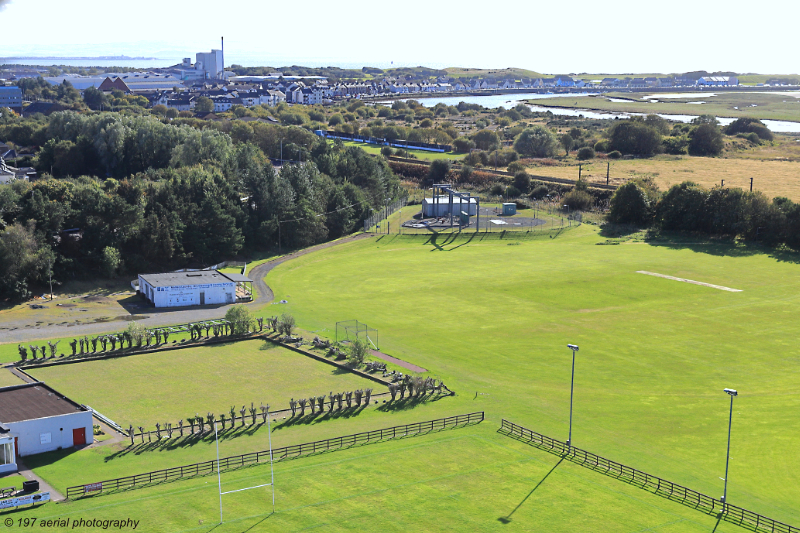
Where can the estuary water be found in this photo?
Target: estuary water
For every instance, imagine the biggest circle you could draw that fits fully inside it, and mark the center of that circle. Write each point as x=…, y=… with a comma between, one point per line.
x=510, y=100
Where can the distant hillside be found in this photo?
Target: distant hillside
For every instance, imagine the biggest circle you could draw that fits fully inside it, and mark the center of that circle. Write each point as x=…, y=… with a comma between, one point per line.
x=510, y=72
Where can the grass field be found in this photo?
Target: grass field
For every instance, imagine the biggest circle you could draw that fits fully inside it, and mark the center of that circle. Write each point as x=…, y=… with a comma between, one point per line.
x=7, y=378
x=655, y=354
x=752, y=104
x=421, y=154
x=492, y=315
x=773, y=178
x=469, y=479
x=170, y=386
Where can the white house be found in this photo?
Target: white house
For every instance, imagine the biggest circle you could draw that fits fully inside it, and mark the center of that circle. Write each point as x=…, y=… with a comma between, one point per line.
x=39, y=419
x=199, y=287
x=718, y=81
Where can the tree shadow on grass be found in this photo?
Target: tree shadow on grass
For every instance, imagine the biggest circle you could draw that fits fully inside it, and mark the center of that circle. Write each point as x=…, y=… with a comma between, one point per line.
x=408, y=402
x=318, y=417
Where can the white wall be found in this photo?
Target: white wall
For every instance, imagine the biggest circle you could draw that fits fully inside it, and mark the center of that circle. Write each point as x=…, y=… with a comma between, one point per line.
x=29, y=432
x=215, y=293
x=9, y=467
x=441, y=209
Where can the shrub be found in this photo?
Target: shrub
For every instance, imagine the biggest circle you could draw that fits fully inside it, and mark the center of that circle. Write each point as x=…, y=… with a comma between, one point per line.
x=426, y=123
x=585, y=153
x=706, y=140
x=515, y=166
x=286, y=324
x=615, y=154
x=462, y=144
x=357, y=352
x=675, y=145
x=630, y=205
x=497, y=190
x=512, y=192
x=486, y=140
x=578, y=200
x=386, y=151
x=633, y=137
x=749, y=125
x=438, y=170
x=601, y=146
x=335, y=120
x=540, y=192
x=522, y=181
x=536, y=141
x=240, y=319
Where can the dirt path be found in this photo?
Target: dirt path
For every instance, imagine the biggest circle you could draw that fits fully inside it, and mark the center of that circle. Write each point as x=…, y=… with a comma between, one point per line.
x=398, y=362
x=156, y=318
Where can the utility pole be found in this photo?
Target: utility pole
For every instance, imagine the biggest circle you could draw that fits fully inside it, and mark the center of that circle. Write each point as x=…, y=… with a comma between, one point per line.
x=751, y=184
x=608, y=171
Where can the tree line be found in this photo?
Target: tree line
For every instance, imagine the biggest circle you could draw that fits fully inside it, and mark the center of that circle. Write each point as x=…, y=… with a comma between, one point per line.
x=141, y=195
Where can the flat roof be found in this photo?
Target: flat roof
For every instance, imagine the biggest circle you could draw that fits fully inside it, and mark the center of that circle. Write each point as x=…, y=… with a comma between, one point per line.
x=446, y=200
x=33, y=400
x=197, y=277
x=239, y=278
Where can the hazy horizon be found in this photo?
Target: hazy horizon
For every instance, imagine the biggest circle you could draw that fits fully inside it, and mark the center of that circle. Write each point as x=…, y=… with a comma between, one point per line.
x=615, y=37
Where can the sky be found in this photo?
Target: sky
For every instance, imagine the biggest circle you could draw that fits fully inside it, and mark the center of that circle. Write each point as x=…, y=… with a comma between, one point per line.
x=613, y=36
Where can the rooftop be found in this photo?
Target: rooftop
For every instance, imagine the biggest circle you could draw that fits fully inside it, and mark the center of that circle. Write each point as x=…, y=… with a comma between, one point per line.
x=196, y=277
x=33, y=400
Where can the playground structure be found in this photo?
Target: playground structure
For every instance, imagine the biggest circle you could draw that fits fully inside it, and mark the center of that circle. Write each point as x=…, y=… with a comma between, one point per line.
x=353, y=329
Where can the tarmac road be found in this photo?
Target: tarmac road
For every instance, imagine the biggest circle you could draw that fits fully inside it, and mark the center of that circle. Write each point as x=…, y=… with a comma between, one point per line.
x=158, y=317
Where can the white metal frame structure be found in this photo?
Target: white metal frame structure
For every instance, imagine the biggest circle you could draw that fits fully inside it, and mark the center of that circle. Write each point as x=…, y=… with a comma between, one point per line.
x=271, y=469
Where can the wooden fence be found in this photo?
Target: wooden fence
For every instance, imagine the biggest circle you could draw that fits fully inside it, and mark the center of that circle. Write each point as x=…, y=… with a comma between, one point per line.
x=662, y=487
x=278, y=454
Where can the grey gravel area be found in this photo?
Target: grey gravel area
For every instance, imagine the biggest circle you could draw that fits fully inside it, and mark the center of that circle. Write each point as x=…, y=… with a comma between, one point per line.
x=156, y=317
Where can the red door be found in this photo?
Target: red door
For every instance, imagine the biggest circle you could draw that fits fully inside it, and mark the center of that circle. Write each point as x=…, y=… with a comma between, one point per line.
x=78, y=436
x=16, y=446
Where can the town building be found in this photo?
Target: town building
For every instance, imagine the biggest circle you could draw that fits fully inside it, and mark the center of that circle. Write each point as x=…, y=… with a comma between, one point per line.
x=11, y=97
x=39, y=419
x=198, y=287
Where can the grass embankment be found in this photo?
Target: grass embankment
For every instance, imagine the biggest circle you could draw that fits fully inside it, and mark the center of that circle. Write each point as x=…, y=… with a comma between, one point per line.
x=773, y=178
x=468, y=479
x=756, y=105
x=145, y=389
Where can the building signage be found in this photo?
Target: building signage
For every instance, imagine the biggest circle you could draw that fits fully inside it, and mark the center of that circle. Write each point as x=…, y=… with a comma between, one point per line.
x=190, y=287
x=45, y=438
x=28, y=499
x=93, y=487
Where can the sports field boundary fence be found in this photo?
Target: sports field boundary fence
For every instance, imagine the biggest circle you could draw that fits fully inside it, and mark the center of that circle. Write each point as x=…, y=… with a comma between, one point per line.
x=384, y=213
x=662, y=487
x=278, y=454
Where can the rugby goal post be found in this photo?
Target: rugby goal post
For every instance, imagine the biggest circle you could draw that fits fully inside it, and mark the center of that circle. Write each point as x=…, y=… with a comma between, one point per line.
x=271, y=470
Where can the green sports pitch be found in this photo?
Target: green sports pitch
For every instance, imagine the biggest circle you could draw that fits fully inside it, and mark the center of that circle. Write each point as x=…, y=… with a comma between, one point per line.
x=491, y=315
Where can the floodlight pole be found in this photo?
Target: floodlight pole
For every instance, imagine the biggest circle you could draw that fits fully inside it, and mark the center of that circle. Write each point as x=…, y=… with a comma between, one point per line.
x=574, y=349
x=271, y=469
x=219, y=476
x=731, y=393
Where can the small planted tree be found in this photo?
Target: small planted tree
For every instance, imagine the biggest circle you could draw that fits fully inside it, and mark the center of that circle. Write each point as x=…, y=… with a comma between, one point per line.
x=286, y=325
x=54, y=346
x=233, y=416
x=265, y=412
x=200, y=423
x=313, y=404
x=23, y=352
x=358, y=395
x=210, y=420
x=402, y=388
x=252, y=414
x=367, y=396
x=339, y=398
x=393, y=390
x=73, y=344
x=130, y=433
x=349, y=398
x=222, y=419
x=242, y=411
x=158, y=431
x=180, y=426
x=357, y=352
x=94, y=345
x=331, y=399
x=141, y=433
x=104, y=342
x=293, y=406
x=239, y=318
x=321, y=403
x=168, y=427
x=302, y=403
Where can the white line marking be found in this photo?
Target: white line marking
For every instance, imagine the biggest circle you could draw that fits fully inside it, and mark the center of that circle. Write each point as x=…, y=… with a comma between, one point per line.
x=720, y=287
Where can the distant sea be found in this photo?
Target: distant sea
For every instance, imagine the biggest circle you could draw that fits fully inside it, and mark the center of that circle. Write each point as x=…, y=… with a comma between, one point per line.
x=161, y=62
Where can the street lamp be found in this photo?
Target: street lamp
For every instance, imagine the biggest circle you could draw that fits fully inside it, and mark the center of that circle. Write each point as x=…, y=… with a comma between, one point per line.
x=574, y=349
x=731, y=393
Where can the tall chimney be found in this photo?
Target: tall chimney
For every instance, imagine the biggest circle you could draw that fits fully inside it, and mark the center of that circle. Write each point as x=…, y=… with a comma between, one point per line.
x=223, y=58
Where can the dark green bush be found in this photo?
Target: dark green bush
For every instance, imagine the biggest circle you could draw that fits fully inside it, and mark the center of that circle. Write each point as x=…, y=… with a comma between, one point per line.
x=585, y=153
x=522, y=180
x=616, y=154
x=539, y=192
x=578, y=200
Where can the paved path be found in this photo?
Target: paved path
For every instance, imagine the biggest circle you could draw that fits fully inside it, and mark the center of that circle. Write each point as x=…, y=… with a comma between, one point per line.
x=398, y=362
x=28, y=474
x=158, y=317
